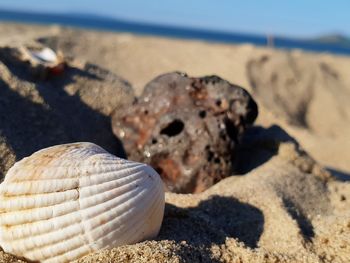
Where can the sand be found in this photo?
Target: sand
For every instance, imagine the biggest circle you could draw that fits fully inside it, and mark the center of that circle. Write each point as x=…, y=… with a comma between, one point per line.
x=285, y=207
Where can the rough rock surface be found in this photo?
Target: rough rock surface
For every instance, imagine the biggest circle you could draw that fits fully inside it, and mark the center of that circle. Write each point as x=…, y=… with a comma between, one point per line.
x=186, y=128
x=36, y=113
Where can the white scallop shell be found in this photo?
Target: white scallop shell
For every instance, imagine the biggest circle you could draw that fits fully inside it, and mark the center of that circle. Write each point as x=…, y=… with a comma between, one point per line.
x=66, y=201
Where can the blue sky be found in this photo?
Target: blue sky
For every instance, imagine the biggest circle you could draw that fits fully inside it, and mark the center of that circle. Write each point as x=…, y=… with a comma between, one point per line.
x=298, y=18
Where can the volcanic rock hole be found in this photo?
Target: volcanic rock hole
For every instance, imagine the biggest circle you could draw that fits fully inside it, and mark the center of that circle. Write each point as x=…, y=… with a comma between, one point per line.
x=173, y=128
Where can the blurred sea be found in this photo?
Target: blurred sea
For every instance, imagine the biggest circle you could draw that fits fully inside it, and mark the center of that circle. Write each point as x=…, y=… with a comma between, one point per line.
x=108, y=24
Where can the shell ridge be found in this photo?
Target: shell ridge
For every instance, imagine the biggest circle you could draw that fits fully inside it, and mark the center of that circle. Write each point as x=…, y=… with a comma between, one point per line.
x=134, y=230
x=67, y=201
x=96, y=170
x=121, y=219
x=73, y=152
x=47, y=186
x=154, y=206
x=40, y=241
x=129, y=233
x=59, y=236
x=22, y=203
x=91, y=170
x=84, y=237
x=67, y=256
x=91, y=239
x=37, y=214
x=107, y=161
x=122, y=197
x=56, y=248
x=110, y=197
x=110, y=176
x=39, y=227
x=42, y=155
x=143, y=201
x=91, y=190
x=124, y=205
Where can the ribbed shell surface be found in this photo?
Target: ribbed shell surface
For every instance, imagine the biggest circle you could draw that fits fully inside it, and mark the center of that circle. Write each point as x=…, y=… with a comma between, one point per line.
x=66, y=201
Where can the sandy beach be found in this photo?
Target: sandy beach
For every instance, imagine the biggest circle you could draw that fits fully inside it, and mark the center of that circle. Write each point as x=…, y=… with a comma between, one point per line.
x=292, y=201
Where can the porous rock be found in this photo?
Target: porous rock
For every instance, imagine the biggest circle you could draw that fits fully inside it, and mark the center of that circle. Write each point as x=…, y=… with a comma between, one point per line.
x=187, y=128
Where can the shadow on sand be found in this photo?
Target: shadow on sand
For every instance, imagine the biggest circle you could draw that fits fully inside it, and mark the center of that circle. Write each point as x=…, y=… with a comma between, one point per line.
x=340, y=175
x=211, y=222
x=258, y=145
x=28, y=125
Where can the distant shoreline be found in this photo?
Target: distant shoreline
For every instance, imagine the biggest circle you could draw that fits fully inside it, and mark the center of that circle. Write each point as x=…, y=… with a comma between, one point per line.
x=115, y=25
